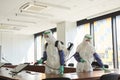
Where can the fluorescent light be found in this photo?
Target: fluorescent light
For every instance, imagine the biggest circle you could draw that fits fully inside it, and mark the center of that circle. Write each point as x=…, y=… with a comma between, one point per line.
x=41, y=14
x=7, y=27
x=23, y=21
x=6, y=24
x=29, y=15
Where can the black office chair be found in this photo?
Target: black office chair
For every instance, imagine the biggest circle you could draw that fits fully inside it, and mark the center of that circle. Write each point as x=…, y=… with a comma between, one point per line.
x=59, y=78
x=3, y=79
x=26, y=63
x=106, y=66
x=111, y=76
x=96, y=65
x=71, y=64
x=8, y=63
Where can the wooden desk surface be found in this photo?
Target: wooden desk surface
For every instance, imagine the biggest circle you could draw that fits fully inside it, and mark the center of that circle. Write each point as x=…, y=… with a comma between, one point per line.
x=95, y=75
x=41, y=68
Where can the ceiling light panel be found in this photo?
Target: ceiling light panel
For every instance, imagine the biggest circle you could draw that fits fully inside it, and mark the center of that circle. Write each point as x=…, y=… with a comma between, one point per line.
x=30, y=16
x=36, y=13
x=15, y=25
x=21, y=21
x=5, y=27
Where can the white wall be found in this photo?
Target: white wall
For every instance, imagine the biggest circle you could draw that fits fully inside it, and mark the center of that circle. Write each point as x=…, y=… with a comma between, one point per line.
x=17, y=48
x=61, y=31
x=66, y=31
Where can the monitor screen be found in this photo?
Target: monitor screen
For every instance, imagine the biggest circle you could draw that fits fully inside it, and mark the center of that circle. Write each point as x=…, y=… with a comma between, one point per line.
x=19, y=68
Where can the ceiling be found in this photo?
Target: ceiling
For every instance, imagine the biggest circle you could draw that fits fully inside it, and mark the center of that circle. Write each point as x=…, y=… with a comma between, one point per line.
x=33, y=16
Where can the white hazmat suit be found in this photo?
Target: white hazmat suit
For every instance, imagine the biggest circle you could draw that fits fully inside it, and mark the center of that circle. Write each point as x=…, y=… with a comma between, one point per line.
x=85, y=54
x=54, y=56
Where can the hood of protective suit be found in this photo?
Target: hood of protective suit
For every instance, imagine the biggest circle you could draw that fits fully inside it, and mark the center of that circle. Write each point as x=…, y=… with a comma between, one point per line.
x=87, y=39
x=49, y=37
x=86, y=47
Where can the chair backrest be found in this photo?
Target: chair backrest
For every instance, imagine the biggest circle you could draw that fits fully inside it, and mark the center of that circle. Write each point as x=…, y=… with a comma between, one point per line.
x=95, y=64
x=8, y=63
x=106, y=66
x=71, y=64
x=59, y=78
x=111, y=76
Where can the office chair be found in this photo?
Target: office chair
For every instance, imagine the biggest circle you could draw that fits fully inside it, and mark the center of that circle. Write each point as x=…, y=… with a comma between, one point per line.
x=26, y=63
x=111, y=76
x=3, y=79
x=71, y=64
x=60, y=78
x=96, y=65
x=8, y=63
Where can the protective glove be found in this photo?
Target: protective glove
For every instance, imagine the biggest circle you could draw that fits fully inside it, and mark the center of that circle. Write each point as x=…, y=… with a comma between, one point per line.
x=61, y=69
x=105, y=69
x=39, y=61
x=82, y=60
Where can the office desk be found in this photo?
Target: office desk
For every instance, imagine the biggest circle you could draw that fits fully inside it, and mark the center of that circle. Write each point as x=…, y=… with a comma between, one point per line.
x=4, y=74
x=41, y=68
x=24, y=75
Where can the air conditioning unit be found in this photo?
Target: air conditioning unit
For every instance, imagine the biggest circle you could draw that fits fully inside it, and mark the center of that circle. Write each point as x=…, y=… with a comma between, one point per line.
x=32, y=7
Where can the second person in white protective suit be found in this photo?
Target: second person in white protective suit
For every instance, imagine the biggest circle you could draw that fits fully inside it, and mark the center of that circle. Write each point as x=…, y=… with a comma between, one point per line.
x=85, y=54
x=54, y=56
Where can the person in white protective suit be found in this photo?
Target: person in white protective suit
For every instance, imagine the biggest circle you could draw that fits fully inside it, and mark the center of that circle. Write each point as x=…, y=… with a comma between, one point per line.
x=85, y=54
x=53, y=56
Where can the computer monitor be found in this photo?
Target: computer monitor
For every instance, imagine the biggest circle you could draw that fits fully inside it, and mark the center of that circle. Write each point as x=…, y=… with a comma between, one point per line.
x=19, y=68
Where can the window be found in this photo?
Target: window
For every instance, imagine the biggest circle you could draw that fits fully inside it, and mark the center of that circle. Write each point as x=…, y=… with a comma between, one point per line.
x=103, y=40
x=118, y=37
x=39, y=48
x=81, y=31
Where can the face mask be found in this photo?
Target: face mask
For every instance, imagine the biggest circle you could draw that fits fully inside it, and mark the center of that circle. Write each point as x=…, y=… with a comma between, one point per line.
x=48, y=39
x=46, y=36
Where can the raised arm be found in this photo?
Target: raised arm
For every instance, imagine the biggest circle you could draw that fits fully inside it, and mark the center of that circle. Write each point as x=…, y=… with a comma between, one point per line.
x=98, y=59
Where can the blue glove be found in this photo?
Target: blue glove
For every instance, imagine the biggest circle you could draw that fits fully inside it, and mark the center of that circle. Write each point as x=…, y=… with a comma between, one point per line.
x=61, y=69
x=82, y=60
